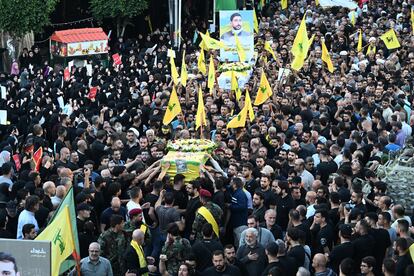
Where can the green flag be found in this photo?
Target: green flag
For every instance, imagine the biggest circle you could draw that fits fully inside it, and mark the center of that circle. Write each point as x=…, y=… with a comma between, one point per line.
x=69, y=201
x=226, y=5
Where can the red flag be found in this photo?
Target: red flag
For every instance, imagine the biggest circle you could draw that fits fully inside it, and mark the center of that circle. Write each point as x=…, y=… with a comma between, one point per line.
x=92, y=92
x=66, y=74
x=117, y=59
x=16, y=159
x=362, y=2
x=37, y=158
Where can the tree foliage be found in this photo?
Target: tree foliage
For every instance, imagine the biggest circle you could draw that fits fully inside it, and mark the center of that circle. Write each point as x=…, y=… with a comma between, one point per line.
x=121, y=10
x=19, y=17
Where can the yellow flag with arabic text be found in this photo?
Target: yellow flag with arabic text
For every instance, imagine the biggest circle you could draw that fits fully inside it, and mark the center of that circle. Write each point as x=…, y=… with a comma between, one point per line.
x=173, y=108
x=248, y=103
x=201, y=63
x=201, y=112
x=390, y=39
x=239, y=120
x=326, y=57
x=60, y=235
x=264, y=91
x=268, y=48
x=211, y=74
x=174, y=71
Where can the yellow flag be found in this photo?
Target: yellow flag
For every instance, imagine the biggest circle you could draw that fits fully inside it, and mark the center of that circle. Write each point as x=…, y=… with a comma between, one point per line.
x=411, y=250
x=326, y=57
x=264, y=91
x=239, y=120
x=390, y=39
x=284, y=4
x=201, y=112
x=209, y=43
x=184, y=74
x=248, y=103
x=240, y=50
x=317, y=2
x=300, y=46
x=255, y=21
x=173, y=108
x=174, y=72
x=412, y=19
x=201, y=63
x=60, y=234
x=353, y=18
x=359, y=47
x=268, y=48
x=238, y=94
x=234, y=84
x=211, y=74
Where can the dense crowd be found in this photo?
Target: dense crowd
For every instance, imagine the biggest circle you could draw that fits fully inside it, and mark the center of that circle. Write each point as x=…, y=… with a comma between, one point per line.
x=295, y=192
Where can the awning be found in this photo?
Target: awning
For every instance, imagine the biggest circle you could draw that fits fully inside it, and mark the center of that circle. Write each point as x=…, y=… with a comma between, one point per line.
x=79, y=35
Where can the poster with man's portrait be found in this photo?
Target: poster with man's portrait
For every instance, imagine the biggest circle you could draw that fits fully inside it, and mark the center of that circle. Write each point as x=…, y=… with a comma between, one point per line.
x=24, y=257
x=240, y=24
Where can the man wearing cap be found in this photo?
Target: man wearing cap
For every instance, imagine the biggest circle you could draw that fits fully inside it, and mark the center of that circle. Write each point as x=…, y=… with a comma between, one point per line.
x=136, y=222
x=209, y=212
x=84, y=213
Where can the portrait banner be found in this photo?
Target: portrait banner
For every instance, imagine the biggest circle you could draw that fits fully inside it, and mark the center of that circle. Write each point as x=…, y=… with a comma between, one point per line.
x=31, y=258
x=237, y=23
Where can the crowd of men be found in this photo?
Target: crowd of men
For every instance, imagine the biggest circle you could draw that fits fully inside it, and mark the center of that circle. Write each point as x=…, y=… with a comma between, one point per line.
x=295, y=192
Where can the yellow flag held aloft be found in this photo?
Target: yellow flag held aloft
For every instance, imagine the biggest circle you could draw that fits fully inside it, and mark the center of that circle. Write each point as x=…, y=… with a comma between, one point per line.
x=240, y=50
x=359, y=47
x=371, y=49
x=174, y=72
x=300, y=46
x=412, y=19
x=201, y=112
x=264, y=91
x=284, y=4
x=211, y=74
x=238, y=94
x=317, y=2
x=248, y=103
x=239, y=120
x=201, y=63
x=326, y=57
x=390, y=39
x=234, y=83
x=60, y=234
x=209, y=43
x=353, y=18
x=411, y=250
x=268, y=48
x=255, y=22
x=173, y=108
x=184, y=74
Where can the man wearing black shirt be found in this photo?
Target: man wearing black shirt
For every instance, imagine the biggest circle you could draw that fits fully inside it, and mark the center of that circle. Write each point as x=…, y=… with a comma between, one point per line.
x=269, y=196
x=247, y=171
x=180, y=195
x=258, y=206
x=343, y=250
x=230, y=255
x=284, y=204
x=294, y=218
x=326, y=167
x=404, y=259
x=382, y=240
x=323, y=238
x=364, y=243
x=270, y=224
x=272, y=250
x=296, y=250
x=220, y=267
x=192, y=205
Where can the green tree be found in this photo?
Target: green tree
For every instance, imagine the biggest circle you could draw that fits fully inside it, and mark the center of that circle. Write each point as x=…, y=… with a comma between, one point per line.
x=121, y=10
x=19, y=17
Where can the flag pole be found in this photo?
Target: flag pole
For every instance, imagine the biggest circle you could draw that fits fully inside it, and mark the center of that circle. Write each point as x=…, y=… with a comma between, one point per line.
x=76, y=256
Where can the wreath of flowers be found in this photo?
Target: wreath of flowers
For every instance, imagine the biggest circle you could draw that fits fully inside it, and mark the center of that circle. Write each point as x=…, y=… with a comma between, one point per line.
x=234, y=66
x=192, y=145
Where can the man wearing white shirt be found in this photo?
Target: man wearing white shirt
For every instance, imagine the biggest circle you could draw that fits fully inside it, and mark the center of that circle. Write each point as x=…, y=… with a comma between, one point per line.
x=28, y=215
x=307, y=177
x=136, y=195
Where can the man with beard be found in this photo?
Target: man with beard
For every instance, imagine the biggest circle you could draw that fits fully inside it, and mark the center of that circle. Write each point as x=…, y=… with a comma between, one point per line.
x=192, y=205
x=220, y=266
x=230, y=255
x=247, y=171
x=269, y=196
x=258, y=206
x=252, y=253
x=270, y=224
x=284, y=204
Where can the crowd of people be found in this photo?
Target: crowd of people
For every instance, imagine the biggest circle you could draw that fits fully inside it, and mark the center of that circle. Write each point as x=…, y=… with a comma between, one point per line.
x=294, y=192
